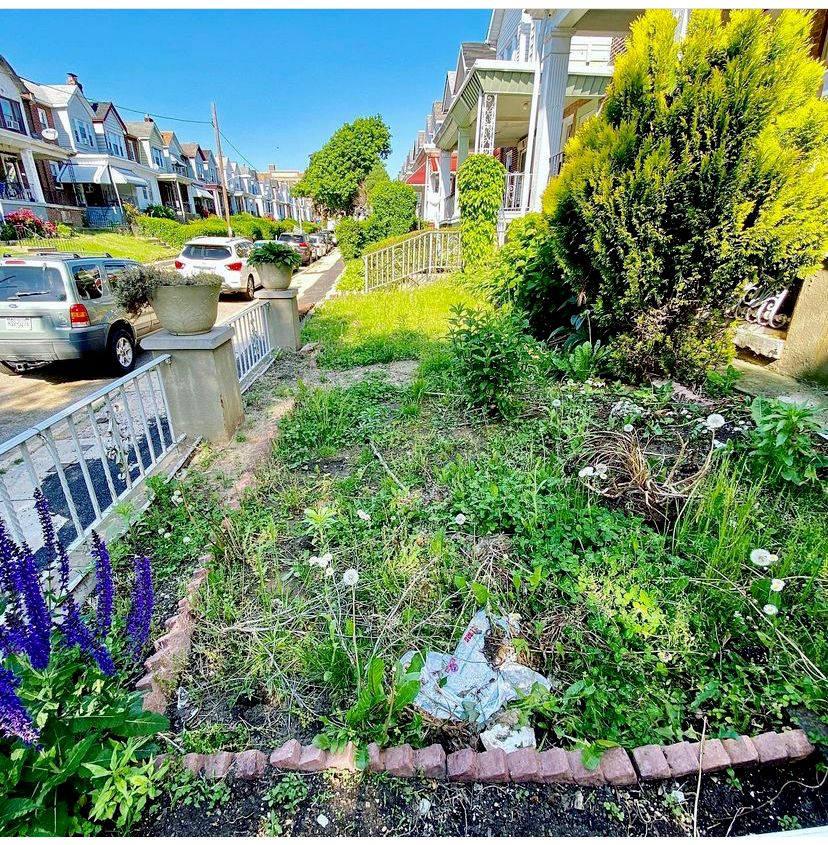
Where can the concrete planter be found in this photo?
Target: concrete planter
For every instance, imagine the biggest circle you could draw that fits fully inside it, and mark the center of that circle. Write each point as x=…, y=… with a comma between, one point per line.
x=275, y=276
x=186, y=309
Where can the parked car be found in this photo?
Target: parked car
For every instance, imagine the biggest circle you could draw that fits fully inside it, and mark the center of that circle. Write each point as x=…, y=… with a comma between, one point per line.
x=225, y=256
x=300, y=242
x=59, y=307
x=319, y=245
x=328, y=235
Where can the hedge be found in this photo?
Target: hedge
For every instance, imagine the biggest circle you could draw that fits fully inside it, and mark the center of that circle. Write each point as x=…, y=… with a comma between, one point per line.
x=244, y=225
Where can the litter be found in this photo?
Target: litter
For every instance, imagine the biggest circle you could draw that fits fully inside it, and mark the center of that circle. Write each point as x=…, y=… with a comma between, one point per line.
x=465, y=686
x=508, y=738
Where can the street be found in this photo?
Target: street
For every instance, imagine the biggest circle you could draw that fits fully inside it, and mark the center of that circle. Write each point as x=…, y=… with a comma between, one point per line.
x=34, y=396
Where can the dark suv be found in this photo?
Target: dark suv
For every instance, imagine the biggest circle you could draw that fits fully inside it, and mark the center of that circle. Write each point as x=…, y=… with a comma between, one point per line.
x=59, y=307
x=300, y=242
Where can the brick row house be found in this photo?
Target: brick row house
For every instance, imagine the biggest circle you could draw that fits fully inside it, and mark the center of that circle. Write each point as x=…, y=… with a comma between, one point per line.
x=72, y=159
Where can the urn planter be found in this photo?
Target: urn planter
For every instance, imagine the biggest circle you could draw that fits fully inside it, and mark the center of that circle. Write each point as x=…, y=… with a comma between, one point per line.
x=275, y=276
x=186, y=309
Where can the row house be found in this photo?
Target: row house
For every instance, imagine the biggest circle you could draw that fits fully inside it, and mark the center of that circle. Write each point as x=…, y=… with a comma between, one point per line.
x=285, y=205
x=518, y=95
x=206, y=187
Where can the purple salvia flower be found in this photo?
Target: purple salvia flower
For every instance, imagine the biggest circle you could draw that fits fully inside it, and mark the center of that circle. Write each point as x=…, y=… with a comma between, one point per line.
x=14, y=629
x=140, y=614
x=76, y=633
x=14, y=718
x=103, y=586
x=39, y=628
x=53, y=545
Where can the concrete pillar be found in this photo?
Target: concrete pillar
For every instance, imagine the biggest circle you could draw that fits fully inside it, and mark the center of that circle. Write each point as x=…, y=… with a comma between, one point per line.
x=554, y=75
x=32, y=175
x=805, y=354
x=282, y=317
x=444, y=172
x=201, y=382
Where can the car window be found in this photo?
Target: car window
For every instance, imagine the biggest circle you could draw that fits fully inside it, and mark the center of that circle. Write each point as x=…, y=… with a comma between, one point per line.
x=114, y=271
x=242, y=250
x=205, y=251
x=89, y=281
x=31, y=283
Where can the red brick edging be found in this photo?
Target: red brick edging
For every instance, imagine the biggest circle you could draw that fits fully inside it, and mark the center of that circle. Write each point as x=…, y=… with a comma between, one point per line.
x=618, y=767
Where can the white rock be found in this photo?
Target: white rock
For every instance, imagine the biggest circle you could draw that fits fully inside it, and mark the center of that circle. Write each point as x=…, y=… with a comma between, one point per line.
x=508, y=737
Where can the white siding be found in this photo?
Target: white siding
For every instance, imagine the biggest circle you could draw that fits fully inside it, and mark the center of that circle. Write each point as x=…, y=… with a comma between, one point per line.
x=589, y=50
x=9, y=90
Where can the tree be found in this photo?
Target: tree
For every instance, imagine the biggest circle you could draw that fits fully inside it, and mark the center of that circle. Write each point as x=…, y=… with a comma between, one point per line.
x=394, y=208
x=705, y=171
x=335, y=172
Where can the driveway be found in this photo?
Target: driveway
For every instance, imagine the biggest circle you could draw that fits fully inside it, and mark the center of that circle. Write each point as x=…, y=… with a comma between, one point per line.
x=34, y=396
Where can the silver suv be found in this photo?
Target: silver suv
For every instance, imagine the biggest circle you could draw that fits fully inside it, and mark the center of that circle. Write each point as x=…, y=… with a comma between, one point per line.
x=59, y=307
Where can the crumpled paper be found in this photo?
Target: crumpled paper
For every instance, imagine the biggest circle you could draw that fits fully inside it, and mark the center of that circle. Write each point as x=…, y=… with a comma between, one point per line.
x=464, y=686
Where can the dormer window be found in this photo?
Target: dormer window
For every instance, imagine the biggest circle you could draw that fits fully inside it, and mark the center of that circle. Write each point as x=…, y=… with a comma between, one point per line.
x=115, y=144
x=11, y=116
x=84, y=133
x=158, y=158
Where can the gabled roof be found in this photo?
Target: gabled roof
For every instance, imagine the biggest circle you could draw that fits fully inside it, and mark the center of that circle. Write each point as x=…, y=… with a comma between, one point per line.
x=52, y=95
x=4, y=65
x=473, y=50
x=102, y=109
x=167, y=136
x=142, y=128
x=192, y=150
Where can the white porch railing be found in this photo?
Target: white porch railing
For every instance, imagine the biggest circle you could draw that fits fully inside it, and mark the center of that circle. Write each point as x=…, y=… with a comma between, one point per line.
x=513, y=191
x=87, y=458
x=429, y=252
x=251, y=343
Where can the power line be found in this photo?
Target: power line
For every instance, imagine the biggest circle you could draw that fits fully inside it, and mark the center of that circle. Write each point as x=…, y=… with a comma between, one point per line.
x=243, y=156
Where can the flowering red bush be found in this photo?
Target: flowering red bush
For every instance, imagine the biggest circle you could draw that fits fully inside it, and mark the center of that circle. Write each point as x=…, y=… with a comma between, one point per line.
x=26, y=224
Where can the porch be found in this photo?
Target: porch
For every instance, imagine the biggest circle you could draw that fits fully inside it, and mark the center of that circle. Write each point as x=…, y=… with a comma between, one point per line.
x=174, y=189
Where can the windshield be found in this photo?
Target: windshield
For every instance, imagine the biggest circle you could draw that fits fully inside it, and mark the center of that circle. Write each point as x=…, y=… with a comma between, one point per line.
x=202, y=251
x=31, y=283
x=293, y=239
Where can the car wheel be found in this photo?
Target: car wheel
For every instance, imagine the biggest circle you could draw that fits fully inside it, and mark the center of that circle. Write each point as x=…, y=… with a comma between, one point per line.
x=250, y=290
x=121, y=352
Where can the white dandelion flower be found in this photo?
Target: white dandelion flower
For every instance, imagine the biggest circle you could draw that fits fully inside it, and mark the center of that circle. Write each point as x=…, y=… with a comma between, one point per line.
x=460, y=519
x=187, y=541
x=350, y=577
x=556, y=403
x=329, y=573
x=777, y=585
x=629, y=428
x=770, y=610
x=586, y=472
x=760, y=557
x=326, y=559
x=364, y=515
x=313, y=560
x=714, y=422
x=167, y=535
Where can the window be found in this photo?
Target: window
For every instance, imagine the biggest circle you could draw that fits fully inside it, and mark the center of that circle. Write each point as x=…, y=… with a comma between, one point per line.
x=84, y=133
x=32, y=284
x=214, y=253
x=243, y=250
x=42, y=117
x=115, y=144
x=10, y=116
x=158, y=158
x=88, y=281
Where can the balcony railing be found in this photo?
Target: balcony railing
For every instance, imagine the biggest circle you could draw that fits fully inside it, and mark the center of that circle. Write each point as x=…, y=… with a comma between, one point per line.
x=15, y=191
x=513, y=191
x=556, y=163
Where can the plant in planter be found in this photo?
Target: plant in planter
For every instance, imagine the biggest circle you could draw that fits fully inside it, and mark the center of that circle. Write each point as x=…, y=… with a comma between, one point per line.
x=275, y=263
x=183, y=304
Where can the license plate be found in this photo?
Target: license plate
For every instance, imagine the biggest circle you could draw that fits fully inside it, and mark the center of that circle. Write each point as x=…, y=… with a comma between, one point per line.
x=207, y=267
x=19, y=323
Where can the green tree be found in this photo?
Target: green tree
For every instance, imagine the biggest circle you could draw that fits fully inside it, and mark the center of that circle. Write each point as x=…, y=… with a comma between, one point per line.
x=335, y=172
x=705, y=170
x=394, y=208
x=377, y=175
x=480, y=185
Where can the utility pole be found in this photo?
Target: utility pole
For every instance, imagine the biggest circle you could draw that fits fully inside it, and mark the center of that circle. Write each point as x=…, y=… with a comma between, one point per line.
x=223, y=172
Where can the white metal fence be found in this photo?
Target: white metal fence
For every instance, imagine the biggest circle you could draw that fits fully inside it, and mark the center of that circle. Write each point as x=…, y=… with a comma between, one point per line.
x=513, y=191
x=429, y=252
x=87, y=458
x=251, y=343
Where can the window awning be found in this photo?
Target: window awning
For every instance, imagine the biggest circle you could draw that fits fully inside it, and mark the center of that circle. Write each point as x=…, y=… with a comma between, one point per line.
x=83, y=174
x=200, y=192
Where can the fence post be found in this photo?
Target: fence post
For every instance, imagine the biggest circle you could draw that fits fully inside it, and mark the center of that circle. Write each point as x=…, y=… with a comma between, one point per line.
x=201, y=382
x=430, y=253
x=282, y=317
x=365, y=264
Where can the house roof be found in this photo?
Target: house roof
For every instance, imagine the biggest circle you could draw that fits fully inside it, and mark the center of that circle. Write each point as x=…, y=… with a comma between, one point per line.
x=473, y=50
x=192, y=150
x=4, y=65
x=141, y=128
x=167, y=136
x=100, y=109
x=52, y=95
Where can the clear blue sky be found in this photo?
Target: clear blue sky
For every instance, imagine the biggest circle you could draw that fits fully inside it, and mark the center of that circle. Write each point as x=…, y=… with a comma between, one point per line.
x=283, y=81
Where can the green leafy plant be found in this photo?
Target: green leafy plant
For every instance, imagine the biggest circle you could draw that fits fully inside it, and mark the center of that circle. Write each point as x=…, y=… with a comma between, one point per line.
x=782, y=442
x=494, y=354
x=721, y=383
x=393, y=209
x=480, y=186
x=350, y=236
x=137, y=285
x=190, y=790
x=287, y=793
x=584, y=361
x=723, y=133
x=274, y=252
x=161, y=211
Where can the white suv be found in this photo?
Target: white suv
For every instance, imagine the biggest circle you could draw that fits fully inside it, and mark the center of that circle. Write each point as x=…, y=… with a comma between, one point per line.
x=225, y=256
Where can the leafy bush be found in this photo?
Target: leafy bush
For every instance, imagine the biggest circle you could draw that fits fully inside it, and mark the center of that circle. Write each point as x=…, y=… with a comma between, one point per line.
x=161, y=211
x=257, y=228
x=352, y=278
x=137, y=285
x=22, y=224
x=782, y=442
x=350, y=234
x=73, y=728
x=274, y=252
x=480, y=185
x=584, y=361
x=177, y=234
x=495, y=355
x=705, y=170
x=394, y=209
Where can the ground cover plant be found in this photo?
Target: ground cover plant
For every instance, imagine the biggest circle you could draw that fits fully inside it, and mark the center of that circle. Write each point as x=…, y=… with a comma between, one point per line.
x=117, y=244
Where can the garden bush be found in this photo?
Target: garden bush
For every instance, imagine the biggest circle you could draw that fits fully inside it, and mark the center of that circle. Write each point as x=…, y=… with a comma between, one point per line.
x=393, y=209
x=161, y=211
x=480, y=185
x=705, y=171
x=19, y=225
x=350, y=235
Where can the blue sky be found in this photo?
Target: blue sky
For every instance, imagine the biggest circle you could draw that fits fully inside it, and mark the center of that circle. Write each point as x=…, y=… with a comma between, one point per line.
x=283, y=81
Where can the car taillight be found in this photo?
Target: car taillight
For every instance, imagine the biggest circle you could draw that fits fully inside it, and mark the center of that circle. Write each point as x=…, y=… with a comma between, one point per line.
x=78, y=316
x=236, y=265
x=302, y=243
x=179, y=265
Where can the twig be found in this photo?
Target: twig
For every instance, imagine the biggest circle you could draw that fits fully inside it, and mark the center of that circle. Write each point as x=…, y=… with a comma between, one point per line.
x=387, y=468
x=698, y=782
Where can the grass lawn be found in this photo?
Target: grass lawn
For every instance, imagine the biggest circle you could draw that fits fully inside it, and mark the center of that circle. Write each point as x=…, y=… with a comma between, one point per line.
x=650, y=625
x=115, y=243
x=388, y=325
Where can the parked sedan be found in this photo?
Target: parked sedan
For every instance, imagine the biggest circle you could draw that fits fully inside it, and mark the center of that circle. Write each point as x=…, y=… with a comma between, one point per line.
x=319, y=245
x=300, y=242
x=225, y=256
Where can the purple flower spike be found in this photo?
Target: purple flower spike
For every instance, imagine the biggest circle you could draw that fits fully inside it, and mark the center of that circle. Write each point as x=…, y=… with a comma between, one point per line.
x=39, y=633
x=103, y=586
x=140, y=614
x=54, y=547
x=14, y=720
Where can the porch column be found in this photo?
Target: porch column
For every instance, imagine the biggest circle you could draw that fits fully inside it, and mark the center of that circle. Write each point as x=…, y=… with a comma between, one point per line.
x=554, y=73
x=444, y=173
x=32, y=175
x=484, y=141
x=462, y=144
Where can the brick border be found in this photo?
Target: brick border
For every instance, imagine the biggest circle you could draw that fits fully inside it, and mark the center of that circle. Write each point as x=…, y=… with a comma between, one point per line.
x=618, y=767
